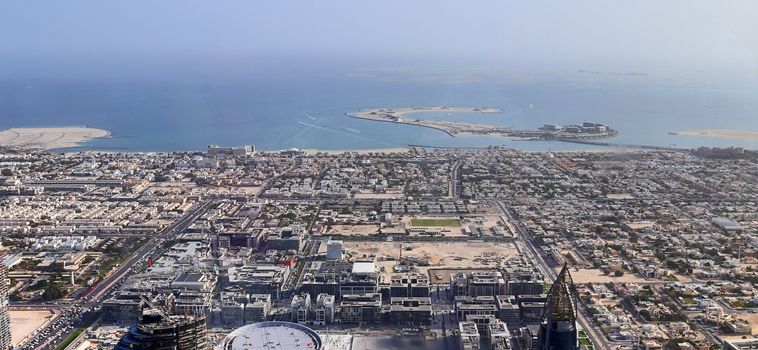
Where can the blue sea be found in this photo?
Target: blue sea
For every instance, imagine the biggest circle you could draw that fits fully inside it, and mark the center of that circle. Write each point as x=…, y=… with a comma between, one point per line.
x=308, y=111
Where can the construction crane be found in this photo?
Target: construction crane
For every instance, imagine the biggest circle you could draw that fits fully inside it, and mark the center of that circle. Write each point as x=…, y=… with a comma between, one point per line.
x=160, y=311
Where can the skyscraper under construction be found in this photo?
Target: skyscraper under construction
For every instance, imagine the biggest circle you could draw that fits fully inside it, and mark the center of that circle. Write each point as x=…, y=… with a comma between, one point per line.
x=558, y=330
x=5, y=319
x=158, y=331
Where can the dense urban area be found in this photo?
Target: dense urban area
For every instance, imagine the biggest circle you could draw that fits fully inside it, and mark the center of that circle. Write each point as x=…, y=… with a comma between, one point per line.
x=424, y=248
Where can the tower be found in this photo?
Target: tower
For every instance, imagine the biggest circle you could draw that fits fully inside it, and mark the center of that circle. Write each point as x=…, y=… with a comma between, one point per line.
x=158, y=331
x=558, y=330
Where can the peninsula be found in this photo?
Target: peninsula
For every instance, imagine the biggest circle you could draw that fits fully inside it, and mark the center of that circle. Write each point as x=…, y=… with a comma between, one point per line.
x=49, y=138
x=402, y=116
x=583, y=131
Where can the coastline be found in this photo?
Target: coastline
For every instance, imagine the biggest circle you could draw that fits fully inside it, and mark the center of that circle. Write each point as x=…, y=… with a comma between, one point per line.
x=55, y=138
x=361, y=151
x=401, y=122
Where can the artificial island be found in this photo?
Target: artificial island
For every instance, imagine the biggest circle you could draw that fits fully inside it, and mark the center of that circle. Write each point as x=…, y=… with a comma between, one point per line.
x=50, y=137
x=583, y=131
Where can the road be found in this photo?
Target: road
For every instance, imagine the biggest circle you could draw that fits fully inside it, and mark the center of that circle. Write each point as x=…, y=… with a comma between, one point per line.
x=102, y=288
x=71, y=314
x=707, y=330
x=455, y=183
x=595, y=335
x=309, y=255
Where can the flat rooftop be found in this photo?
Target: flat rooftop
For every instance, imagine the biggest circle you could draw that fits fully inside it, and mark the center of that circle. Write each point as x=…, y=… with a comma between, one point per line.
x=364, y=267
x=272, y=335
x=189, y=277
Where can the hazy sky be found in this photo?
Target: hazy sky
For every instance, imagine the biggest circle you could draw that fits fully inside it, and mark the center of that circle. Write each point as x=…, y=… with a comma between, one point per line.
x=45, y=37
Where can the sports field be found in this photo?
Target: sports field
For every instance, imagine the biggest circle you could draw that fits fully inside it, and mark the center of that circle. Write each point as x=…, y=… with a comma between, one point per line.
x=436, y=223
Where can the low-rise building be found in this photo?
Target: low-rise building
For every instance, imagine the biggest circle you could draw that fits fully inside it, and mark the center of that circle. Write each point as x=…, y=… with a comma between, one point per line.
x=413, y=310
x=469, y=335
x=363, y=308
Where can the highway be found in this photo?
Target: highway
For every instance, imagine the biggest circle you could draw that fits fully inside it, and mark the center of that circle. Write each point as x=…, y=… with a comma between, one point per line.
x=455, y=183
x=71, y=314
x=105, y=286
x=310, y=252
x=595, y=335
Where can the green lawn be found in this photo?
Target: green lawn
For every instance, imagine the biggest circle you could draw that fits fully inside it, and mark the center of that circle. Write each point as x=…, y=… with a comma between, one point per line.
x=743, y=304
x=436, y=222
x=583, y=340
x=70, y=338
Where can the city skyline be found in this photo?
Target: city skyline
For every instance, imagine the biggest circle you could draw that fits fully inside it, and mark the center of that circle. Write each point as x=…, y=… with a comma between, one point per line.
x=341, y=175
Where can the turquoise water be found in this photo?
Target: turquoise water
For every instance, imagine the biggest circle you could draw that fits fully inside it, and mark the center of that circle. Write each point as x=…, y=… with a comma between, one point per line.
x=308, y=112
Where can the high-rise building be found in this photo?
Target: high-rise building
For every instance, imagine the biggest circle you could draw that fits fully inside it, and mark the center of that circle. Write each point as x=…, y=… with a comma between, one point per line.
x=5, y=318
x=558, y=330
x=334, y=250
x=158, y=331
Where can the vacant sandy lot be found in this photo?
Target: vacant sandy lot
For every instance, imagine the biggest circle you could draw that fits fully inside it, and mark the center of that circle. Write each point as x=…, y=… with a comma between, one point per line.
x=172, y=187
x=49, y=138
x=752, y=319
x=619, y=196
x=453, y=227
x=640, y=224
x=596, y=276
x=438, y=255
x=353, y=230
x=397, y=195
x=24, y=322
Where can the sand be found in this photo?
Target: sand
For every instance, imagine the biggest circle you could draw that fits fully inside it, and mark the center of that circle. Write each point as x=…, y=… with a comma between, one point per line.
x=24, y=322
x=354, y=230
x=751, y=318
x=402, y=116
x=619, y=196
x=49, y=138
x=406, y=111
x=360, y=151
x=441, y=255
x=379, y=195
x=721, y=133
x=596, y=276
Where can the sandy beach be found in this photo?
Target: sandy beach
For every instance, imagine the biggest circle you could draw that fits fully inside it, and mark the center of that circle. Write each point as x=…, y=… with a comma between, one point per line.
x=49, y=138
x=721, y=133
x=361, y=151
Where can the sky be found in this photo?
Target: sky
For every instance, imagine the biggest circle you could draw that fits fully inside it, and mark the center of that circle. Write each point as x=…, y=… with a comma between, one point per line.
x=91, y=37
